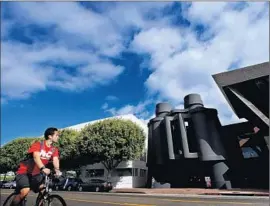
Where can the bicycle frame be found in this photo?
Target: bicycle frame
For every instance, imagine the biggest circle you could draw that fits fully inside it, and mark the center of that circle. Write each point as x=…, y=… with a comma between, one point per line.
x=45, y=191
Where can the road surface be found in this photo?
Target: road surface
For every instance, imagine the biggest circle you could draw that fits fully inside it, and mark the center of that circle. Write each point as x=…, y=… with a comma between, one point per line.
x=98, y=199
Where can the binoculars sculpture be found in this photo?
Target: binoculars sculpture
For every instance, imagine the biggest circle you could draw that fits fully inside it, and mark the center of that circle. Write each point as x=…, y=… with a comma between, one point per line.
x=188, y=140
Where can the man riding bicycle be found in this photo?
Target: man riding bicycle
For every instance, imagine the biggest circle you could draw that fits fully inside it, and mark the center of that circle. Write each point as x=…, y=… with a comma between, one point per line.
x=31, y=170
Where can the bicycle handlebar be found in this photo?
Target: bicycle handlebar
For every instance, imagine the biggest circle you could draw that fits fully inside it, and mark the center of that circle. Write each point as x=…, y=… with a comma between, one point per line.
x=52, y=175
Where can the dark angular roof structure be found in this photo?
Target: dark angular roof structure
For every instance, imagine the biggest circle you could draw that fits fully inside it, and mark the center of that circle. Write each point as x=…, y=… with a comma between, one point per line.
x=247, y=92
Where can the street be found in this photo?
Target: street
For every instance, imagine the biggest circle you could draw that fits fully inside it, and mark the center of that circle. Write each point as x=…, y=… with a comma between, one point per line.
x=99, y=199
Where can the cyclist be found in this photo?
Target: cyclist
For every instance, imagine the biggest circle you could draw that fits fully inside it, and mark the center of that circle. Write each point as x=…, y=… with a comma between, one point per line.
x=30, y=173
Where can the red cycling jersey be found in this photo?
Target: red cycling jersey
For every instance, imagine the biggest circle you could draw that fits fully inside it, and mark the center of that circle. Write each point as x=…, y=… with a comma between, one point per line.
x=46, y=154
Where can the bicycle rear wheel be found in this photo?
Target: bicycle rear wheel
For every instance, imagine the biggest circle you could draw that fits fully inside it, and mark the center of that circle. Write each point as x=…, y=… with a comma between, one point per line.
x=52, y=200
x=10, y=198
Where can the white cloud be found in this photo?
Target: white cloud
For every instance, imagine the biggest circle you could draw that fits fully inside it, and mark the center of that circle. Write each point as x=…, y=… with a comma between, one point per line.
x=105, y=106
x=205, y=12
x=148, y=41
x=146, y=121
x=79, y=25
x=86, y=77
x=31, y=64
x=239, y=38
x=111, y=98
x=139, y=110
x=129, y=14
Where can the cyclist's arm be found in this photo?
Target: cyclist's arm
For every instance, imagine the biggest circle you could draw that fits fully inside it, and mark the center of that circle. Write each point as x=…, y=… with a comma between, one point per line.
x=37, y=159
x=56, y=163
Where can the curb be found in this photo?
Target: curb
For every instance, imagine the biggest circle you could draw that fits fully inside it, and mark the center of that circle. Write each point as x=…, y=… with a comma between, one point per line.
x=198, y=196
x=237, y=194
x=213, y=193
x=129, y=192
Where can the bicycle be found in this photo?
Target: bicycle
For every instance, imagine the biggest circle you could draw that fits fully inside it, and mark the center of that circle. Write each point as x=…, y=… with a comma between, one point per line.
x=44, y=195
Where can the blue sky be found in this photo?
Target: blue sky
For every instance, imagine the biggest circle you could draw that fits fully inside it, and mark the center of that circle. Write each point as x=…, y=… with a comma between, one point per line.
x=64, y=63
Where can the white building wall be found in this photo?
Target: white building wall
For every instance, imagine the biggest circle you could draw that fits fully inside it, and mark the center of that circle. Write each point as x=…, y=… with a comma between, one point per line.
x=132, y=179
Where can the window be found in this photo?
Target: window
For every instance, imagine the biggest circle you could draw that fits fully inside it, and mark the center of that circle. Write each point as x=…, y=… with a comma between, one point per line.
x=94, y=173
x=248, y=152
x=123, y=172
x=135, y=172
x=142, y=173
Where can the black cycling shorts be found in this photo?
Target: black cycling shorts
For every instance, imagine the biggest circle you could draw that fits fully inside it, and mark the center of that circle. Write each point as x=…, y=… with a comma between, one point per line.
x=28, y=181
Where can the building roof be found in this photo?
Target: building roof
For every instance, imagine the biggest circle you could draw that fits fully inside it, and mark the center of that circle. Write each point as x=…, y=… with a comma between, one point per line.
x=247, y=92
x=242, y=74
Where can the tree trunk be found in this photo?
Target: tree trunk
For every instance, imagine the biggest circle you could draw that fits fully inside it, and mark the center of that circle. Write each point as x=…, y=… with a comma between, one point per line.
x=109, y=175
x=78, y=173
x=107, y=166
x=110, y=165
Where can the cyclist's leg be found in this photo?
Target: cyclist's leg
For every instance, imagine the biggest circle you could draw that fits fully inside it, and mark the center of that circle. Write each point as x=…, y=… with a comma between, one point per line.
x=37, y=183
x=22, y=188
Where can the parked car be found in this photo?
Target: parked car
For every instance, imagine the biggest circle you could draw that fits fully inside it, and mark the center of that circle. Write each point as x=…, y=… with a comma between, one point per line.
x=59, y=184
x=10, y=185
x=96, y=185
x=67, y=184
x=72, y=184
x=2, y=182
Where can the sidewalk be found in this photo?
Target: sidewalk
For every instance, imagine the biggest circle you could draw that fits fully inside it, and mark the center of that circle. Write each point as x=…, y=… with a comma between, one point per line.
x=193, y=191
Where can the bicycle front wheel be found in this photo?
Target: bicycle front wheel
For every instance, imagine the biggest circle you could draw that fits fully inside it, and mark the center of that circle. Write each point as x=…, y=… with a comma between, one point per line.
x=52, y=200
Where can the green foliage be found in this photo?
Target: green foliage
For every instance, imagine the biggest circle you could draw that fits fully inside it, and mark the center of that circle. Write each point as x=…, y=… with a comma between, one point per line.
x=7, y=178
x=111, y=141
x=67, y=144
x=13, y=152
x=5, y=162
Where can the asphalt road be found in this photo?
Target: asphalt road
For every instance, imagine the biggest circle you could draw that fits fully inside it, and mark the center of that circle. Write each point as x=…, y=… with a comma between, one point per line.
x=100, y=199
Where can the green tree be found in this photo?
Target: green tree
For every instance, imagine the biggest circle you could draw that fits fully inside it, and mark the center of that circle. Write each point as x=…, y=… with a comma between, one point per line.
x=111, y=141
x=14, y=151
x=67, y=144
x=70, y=158
x=5, y=163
